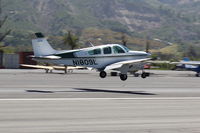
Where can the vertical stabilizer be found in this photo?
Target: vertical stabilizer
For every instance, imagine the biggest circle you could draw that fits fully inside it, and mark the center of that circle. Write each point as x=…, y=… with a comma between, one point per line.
x=186, y=59
x=41, y=47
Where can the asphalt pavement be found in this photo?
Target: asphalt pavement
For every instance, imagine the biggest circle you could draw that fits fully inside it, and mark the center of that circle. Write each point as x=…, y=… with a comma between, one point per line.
x=34, y=102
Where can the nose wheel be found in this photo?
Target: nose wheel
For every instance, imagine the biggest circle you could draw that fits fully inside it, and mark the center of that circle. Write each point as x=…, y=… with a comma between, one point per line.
x=144, y=75
x=123, y=77
x=102, y=74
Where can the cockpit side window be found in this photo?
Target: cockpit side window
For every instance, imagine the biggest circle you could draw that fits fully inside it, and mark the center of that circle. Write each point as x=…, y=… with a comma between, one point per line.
x=94, y=52
x=107, y=50
x=118, y=49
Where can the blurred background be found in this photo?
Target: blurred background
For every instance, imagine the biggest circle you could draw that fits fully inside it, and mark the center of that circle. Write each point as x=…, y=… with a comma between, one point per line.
x=169, y=29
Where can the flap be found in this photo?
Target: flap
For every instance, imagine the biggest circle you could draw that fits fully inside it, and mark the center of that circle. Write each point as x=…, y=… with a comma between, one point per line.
x=120, y=64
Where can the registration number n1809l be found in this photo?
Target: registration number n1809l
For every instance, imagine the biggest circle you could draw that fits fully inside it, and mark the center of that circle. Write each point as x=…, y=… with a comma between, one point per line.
x=78, y=62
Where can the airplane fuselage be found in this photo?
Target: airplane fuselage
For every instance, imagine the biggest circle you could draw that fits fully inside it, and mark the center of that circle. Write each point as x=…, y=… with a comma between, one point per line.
x=190, y=67
x=98, y=62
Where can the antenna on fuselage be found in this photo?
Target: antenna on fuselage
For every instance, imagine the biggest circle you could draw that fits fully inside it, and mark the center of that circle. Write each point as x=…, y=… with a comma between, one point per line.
x=91, y=44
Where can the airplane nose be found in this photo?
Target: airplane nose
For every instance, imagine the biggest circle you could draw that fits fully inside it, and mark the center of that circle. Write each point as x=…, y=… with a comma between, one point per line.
x=148, y=54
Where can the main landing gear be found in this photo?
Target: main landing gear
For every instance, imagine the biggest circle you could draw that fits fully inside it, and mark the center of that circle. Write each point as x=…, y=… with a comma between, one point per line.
x=123, y=77
x=48, y=71
x=197, y=74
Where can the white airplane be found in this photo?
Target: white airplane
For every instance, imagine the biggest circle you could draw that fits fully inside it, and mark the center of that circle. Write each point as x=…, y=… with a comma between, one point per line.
x=101, y=58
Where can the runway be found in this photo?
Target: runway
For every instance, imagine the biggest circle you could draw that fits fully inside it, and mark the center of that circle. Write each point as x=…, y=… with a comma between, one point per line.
x=35, y=102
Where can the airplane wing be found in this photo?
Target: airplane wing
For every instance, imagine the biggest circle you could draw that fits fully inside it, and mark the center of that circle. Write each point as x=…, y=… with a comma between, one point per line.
x=129, y=62
x=187, y=62
x=158, y=61
x=68, y=67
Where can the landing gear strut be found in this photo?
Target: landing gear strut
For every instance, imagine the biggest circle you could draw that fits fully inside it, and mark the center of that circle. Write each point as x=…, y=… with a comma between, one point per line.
x=47, y=70
x=102, y=74
x=198, y=74
x=123, y=77
x=136, y=74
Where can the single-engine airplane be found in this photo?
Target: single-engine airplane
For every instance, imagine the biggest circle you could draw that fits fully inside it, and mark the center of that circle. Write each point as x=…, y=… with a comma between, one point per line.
x=102, y=58
x=189, y=65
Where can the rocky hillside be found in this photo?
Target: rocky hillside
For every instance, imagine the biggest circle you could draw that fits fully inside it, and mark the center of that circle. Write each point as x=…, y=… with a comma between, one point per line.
x=170, y=20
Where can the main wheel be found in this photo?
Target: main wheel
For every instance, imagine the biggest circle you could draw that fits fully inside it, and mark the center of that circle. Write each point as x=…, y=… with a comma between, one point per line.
x=198, y=75
x=123, y=77
x=143, y=75
x=102, y=74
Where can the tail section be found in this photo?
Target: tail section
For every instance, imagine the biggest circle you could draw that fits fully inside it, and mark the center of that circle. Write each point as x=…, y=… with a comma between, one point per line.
x=41, y=47
x=186, y=59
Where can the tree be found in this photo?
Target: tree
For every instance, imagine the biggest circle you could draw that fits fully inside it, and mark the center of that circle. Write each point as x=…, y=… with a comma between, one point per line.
x=71, y=40
x=124, y=40
x=3, y=20
x=147, y=47
x=191, y=52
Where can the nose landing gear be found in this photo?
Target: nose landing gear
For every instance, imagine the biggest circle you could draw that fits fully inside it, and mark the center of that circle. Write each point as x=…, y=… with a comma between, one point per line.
x=102, y=74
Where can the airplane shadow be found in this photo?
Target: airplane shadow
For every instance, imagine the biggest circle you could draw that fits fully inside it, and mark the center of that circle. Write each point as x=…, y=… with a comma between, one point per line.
x=82, y=90
x=43, y=91
x=39, y=91
x=115, y=91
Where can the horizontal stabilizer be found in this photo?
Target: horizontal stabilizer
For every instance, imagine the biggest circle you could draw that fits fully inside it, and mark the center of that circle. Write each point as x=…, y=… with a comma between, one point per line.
x=51, y=57
x=187, y=62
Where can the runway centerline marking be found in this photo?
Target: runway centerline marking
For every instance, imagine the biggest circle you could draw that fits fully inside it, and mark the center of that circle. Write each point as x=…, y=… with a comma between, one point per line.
x=91, y=99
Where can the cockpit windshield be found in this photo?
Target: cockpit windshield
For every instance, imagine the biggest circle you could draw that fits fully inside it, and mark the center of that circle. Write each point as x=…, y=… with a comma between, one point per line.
x=125, y=48
x=117, y=49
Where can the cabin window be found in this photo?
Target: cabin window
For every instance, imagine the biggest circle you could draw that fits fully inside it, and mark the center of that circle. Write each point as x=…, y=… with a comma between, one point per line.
x=117, y=49
x=95, y=52
x=107, y=50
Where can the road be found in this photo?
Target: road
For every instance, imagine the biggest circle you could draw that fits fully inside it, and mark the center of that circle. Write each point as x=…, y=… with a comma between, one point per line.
x=34, y=102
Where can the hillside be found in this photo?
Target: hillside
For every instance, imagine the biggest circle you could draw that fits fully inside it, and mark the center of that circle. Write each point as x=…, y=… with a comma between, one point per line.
x=176, y=21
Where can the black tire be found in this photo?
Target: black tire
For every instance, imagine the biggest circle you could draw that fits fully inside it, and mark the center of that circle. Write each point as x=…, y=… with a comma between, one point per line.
x=197, y=75
x=123, y=77
x=147, y=74
x=143, y=75
x=47, y=70
x=102, y=74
